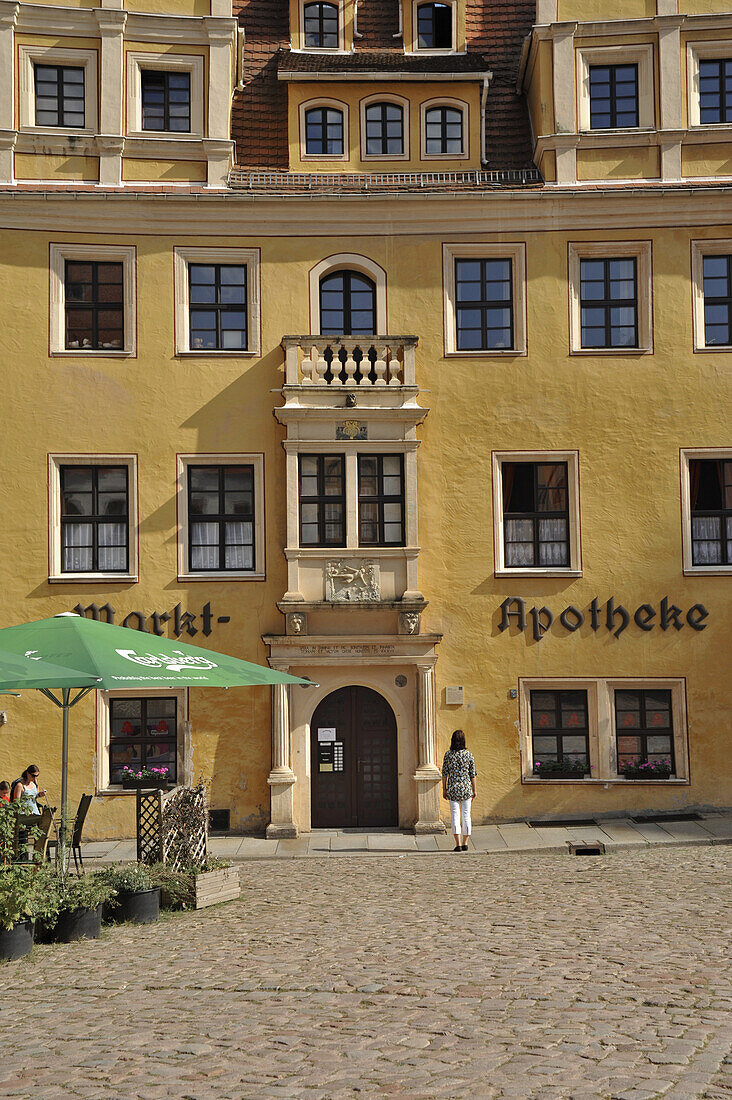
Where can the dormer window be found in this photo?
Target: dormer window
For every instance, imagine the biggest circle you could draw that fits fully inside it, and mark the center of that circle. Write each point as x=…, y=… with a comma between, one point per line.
x=434, y=27
x=321, y=26
x=324, y=132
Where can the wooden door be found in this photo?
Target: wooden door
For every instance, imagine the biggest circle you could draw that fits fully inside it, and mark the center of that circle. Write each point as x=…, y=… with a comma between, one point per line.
x=354, y=761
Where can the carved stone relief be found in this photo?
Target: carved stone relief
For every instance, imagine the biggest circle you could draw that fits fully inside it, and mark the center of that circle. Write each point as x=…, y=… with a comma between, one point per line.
x=347, y=580
x=296, y=623
x=409, y=622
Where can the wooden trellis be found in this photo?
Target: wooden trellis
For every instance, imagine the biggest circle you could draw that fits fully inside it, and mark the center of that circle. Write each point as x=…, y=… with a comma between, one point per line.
x=172, y=826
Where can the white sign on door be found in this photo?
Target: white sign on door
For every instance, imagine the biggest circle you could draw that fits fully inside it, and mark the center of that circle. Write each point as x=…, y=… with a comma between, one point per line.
x=327, y=734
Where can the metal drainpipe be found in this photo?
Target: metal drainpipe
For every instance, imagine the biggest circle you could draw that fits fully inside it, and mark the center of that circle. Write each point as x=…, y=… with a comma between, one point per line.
x=487, y=77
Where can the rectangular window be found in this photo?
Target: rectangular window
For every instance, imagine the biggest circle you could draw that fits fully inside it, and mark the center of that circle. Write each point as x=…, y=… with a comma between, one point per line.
x=644, y=728
x=59, y=95
x=143, y=733
x=717, y=282
x=322, y=500
x=94, y=297
x=535, y=515
x=613, y=96
x=218, y=307
x=166, y=100
x=560, y=732
x=710, y=484
x=380, y=500
x=484, y=304
x=609, y=302
x=94, y=519
x=715, y=90
x=221, y=530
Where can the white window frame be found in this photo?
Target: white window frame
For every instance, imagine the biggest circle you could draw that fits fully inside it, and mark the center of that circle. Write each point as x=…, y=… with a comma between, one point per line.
x=686, y=454
x=515, y=252
x=603, y=250
x=184, y=571
x=444, y=101
x=338, y=105
x=55, y=462
x=696, y=52
x=247, y=257
x=443, y=51
x=398, y=101
x=601, y=725
x=351, y=261
x=126, y=255
x=574, y=569
x=185, y=771
x=28, y=57
x=340, y=48
x=164, y=62
x=640, y=55
x=700, y=249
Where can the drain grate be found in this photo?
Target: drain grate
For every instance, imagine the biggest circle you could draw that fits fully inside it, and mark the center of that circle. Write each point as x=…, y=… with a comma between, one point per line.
x=594, y=848
x=652, y=819
x=563, y=823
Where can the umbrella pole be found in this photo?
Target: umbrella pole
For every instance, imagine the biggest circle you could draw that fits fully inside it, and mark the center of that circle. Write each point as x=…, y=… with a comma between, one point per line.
x=65, y=706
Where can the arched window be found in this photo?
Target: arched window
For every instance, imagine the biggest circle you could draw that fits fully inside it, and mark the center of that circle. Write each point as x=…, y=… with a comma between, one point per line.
x=321, y=26
x=347, y=304
x=384, y=129
x=324, y=131
x=434, y=27
x=443, y=131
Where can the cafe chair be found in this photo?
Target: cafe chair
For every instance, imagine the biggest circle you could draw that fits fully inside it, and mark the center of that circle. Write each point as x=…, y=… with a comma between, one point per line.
x=82, y=811
x=41, y=824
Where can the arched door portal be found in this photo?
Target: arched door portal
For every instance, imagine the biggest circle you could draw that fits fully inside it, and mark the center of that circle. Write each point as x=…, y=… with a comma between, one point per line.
x=353, y=750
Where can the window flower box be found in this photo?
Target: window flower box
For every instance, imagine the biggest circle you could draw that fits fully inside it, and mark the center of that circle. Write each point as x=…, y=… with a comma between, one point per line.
x=658, y=770
x=146, y=779
x=559, y=769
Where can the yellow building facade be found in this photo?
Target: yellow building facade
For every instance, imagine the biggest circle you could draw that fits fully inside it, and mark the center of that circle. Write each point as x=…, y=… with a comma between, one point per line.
x=389, y=346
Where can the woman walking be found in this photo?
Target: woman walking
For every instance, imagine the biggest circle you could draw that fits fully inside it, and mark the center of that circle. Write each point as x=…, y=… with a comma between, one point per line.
x=458, y=787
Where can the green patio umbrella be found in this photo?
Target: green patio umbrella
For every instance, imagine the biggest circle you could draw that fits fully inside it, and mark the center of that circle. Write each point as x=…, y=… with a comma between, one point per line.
x=82, y=654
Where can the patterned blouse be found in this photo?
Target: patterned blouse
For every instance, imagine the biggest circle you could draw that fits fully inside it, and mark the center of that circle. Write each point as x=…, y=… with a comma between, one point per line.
x=458, y=768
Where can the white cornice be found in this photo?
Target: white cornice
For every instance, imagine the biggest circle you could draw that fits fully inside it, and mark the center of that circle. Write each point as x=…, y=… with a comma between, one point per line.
x=138, y=27
x=445, y=215
x=355, y=77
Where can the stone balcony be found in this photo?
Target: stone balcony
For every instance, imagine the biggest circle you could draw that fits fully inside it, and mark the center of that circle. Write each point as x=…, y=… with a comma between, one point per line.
x=336, y=371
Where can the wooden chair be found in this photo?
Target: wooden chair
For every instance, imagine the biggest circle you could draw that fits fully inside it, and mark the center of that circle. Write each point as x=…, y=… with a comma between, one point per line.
x=41, y=824
x=82, y=811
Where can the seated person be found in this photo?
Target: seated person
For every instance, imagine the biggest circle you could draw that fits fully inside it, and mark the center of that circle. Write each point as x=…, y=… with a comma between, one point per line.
x=4, y=791
x=26, y=788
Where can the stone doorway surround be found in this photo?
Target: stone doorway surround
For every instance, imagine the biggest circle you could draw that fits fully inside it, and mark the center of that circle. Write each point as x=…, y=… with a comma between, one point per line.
x=399, y=667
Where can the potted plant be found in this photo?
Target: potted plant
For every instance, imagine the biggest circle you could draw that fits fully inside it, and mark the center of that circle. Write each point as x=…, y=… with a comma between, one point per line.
x=145, y=778
x=560, y=769
x=654, y=769
x=137, y=895
x=26, y=893
x=197, y=885
x=80, y=902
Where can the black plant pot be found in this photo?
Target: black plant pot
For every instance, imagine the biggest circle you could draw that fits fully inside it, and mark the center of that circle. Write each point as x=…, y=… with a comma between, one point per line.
x=79, y=924
x=17, y=941
x=141, y=907
x=145, y=784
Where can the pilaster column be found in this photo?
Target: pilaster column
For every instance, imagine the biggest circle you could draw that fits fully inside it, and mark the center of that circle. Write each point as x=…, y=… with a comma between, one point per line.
x=281, y=778
x=111, y=102
x=670, y=59
x=219, y=147
x=428, y=776
x=8, y=133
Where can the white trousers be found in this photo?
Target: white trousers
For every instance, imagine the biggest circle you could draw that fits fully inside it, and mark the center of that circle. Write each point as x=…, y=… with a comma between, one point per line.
x=460, y=810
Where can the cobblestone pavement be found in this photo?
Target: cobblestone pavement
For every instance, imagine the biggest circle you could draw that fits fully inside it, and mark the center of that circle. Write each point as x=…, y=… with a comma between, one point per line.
x=534, y=976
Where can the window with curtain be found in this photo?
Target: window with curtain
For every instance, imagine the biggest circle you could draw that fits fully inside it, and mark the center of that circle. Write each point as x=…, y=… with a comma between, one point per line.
x=710, y=483
x=321, y=26
x=324, y=132
x=559, y=728
x=143, y=733
x=347, y=304
x=643, y=726
x=94, y=519
x=434, y=27
x=535, y=515
x=443, y=131
x=322, y=500
x=220, y=518
x=717, y=278
x=380, y=500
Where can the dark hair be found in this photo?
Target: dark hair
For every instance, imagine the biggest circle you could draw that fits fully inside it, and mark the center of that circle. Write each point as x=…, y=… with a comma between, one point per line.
x=4, y=785
x=32, y=769
x=458, y=741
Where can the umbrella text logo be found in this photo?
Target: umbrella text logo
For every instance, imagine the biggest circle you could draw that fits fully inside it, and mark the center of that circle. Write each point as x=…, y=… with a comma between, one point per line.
x=175, y=662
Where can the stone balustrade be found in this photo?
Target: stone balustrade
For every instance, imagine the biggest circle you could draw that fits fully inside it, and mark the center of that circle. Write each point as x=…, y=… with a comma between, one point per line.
x=349, y=361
